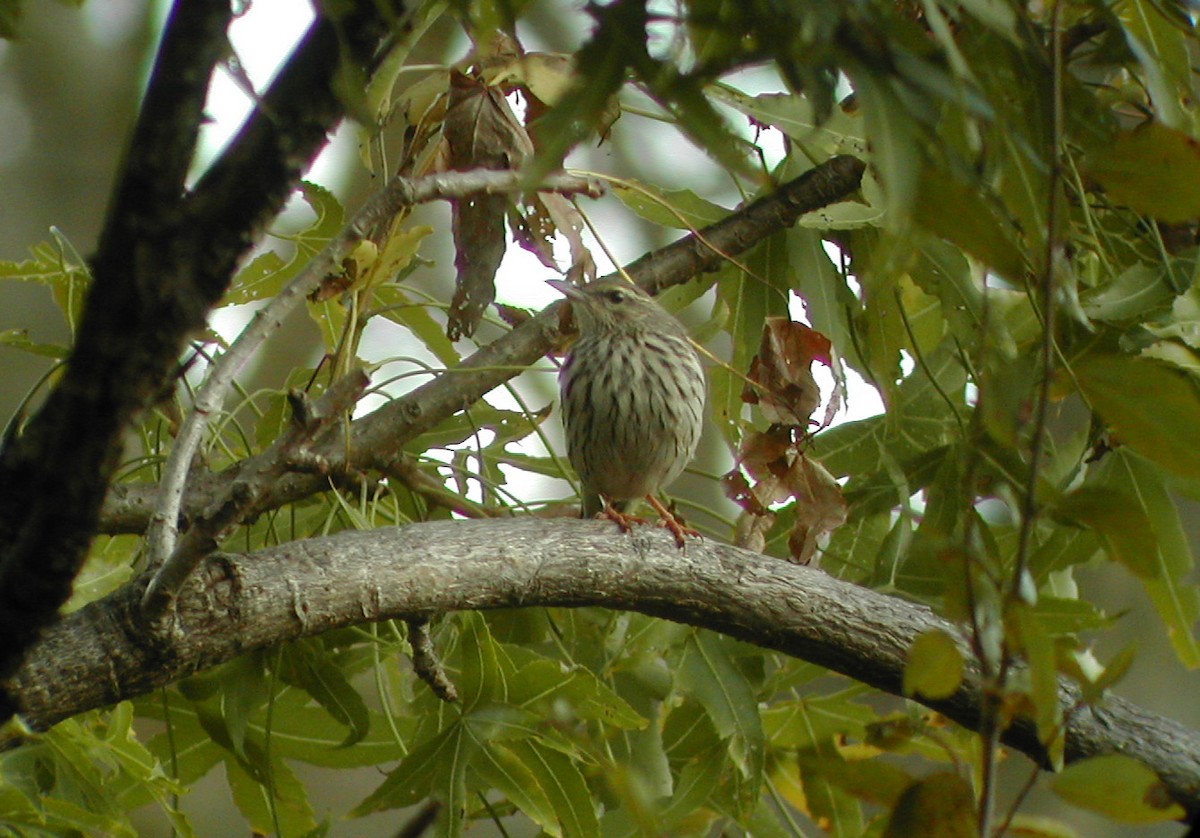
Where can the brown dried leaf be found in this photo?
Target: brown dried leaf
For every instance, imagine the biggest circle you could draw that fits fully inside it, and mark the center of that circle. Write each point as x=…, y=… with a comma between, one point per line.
x=751, y=532
x=478, y=227
x=533, y=230
x=568, y=221
x=767, y=452
x=782, y=370
x=820, y=507
x=481, y=129
x=481, y=132
x=739, y=490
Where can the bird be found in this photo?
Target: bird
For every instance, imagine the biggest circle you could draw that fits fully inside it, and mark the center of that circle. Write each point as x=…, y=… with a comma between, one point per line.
x=633, y=391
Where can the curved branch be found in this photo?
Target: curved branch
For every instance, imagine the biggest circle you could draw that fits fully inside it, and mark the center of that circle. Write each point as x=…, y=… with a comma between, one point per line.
x=236, y=603
x=378, y=435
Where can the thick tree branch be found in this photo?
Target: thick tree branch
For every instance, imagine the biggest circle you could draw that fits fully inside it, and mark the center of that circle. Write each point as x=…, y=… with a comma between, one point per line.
x=379, y=434
x=236, y=603
x=164, y=259
x=54, y=475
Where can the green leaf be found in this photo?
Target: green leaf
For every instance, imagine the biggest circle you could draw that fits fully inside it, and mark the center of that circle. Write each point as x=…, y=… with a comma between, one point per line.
x=826, y=801
x=19, y=339
x=392, y=303
x=500, y=768
x=1065, y=548
x=1118, y=787
x=188, y=747
x=509, y=424
x=997, y=15
x=709, y=673
x=1150, y=407
x=895, y=144
x=805, y=723
x=1162, y=51
x=307, y=664
x=435, y=767
x=59, y=267
x=870, y=780
x=694, y=786
x=795, y=115
x=602, y=64
x=1152, y=169
x=680, y=209
x=1121, y=523
x=67, y=817
x=481, y=677
x=561, y=783
x=749, y=296
x=828, y=301
x=282, y=800
x=329, y=220
x=11, y=12
x=1136, y=292
x=543, y=682
x=1184, y=322
x=1062, y=617
x=1174, y=596
x=262, y=278
x=1035, y=642
x=962, y=214
x=935, y=666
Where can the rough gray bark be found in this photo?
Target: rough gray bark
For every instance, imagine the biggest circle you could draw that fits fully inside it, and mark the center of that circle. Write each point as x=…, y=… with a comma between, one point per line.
x=235, y=603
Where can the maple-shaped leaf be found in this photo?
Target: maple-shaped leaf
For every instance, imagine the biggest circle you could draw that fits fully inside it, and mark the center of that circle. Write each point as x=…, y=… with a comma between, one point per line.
x=782, y=383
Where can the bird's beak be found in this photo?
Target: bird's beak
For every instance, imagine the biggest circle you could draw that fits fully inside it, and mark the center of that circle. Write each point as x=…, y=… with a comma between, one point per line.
x=571, y=292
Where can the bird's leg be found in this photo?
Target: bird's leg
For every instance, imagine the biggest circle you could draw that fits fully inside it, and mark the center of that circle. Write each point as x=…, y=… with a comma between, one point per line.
x=622, y=519
x=672, y=522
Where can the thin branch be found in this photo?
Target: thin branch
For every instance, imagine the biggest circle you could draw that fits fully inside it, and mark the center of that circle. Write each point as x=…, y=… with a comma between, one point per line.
x=242, y=501
x=398, y=194
x=387, y=429
x=1014, y=593
x=103, y=653
x=426, y=662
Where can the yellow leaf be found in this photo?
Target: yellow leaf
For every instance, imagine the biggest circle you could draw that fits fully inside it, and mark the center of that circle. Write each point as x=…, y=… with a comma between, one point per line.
x=935, y=666
x=1118, y=786
x=940, y=806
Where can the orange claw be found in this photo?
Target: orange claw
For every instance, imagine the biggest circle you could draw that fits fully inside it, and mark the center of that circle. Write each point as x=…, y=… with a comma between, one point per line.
x=621, y=519
x=671, y=521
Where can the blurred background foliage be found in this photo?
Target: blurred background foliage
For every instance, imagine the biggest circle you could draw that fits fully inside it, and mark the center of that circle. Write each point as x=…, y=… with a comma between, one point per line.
x=1030, y=164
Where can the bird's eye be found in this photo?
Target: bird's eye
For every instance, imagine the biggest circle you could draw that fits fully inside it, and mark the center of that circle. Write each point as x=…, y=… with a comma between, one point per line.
x=616, y=297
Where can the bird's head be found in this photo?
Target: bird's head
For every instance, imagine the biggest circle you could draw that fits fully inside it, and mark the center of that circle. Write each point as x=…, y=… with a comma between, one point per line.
x=611, y=305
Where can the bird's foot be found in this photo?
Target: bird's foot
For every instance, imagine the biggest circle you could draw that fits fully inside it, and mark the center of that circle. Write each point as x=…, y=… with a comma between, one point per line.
x=672, y=522
x=623, y=520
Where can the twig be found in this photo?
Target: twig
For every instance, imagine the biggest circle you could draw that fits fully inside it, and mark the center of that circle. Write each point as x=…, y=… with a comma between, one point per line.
x=241, y=501
x=994, y=692
x=426, y=662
